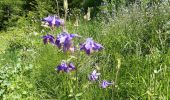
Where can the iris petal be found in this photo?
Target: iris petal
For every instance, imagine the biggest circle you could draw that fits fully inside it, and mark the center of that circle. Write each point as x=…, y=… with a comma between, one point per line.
x=89, y=46
x=48, y=38
x=105, y=84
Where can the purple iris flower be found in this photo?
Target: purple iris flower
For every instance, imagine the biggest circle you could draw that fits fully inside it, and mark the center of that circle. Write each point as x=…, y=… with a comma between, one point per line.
x=71, y=67
x=62, y=67
x=53, y=21
x=94, y=75
x=105, y=84
x=64, y=39
x=65, y=67
x=48, y=38
x=89, y=46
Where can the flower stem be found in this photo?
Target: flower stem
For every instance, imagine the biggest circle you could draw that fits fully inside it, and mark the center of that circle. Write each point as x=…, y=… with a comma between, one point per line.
x=116, y=77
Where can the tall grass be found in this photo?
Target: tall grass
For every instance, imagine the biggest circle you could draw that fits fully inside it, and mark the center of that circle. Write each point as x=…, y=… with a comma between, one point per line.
x=138, y=38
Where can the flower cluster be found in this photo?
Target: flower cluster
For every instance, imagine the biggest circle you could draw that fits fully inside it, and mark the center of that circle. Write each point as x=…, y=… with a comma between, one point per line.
x=64, y=41
x=94, y=77
x=65, y=67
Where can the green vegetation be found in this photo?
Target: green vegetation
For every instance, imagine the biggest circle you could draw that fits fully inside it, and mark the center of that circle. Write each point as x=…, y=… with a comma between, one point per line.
x=135, y=38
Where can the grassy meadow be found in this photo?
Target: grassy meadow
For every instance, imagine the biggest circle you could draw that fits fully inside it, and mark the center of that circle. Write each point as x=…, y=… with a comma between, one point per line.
x=136, y=57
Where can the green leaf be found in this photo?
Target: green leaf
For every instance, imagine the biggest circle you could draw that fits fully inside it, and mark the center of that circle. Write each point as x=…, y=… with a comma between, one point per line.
x=79, y=94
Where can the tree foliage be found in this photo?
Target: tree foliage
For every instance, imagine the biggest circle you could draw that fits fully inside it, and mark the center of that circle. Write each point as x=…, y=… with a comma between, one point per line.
x=12, y=10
